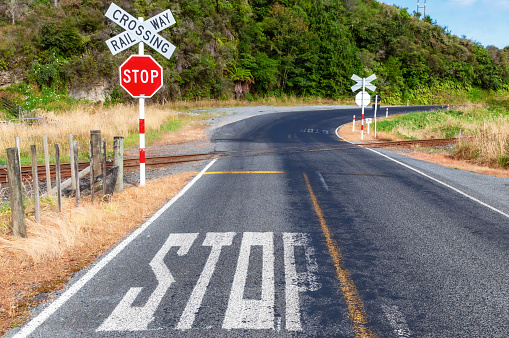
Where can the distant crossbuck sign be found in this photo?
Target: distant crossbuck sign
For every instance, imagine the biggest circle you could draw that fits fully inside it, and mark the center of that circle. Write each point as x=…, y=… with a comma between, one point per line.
x=137, y=31
x=366, y=81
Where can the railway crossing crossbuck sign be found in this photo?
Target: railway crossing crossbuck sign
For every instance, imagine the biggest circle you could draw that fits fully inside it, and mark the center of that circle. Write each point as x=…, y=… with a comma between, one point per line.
x=140, y=75
x=363, y=98
x=137, y=31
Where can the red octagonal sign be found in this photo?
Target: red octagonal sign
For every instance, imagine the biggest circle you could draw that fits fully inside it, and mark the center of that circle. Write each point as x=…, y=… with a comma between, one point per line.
x=141, y=76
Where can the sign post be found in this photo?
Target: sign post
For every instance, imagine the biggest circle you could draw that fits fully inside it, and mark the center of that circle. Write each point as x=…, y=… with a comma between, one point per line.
x=140, y=75
x=368, y=122
x=360, y=98
x=377, y=99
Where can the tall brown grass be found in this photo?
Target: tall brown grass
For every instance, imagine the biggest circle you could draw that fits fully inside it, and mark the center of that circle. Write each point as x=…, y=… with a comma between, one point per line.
x=488, y=144
x=119, y=120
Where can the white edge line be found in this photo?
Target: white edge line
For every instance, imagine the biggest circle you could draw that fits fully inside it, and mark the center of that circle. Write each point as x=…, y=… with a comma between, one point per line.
x=432, y=178
x=57, y=303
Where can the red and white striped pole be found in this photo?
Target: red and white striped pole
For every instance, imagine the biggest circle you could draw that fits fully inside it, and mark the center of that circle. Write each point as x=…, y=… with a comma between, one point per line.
x=142, y=141
x=362, y=123
x=353, y=127
x=386, y=112
x=141, y=51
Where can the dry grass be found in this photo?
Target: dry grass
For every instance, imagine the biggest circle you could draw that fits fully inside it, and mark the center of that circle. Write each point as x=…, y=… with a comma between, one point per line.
x=489, y=146
x=117, y=121
x=495, y=137
x=447, y=161
x=185, y=134
x=271, y=101
x=68, y=241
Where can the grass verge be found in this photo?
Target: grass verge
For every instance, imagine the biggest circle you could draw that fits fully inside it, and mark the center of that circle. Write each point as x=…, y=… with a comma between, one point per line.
x=484, y=132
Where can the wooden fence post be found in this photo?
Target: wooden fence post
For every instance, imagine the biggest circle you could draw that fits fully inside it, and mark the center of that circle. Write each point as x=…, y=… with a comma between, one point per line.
x=95, y=136
x=57, y=171
x=118, y=160
x=76, y=168
x=16, y=141
x=92, y=178
x=71, y=154
x=104, y=167
x=46, y=162
x=35, y=184
x=16, y=196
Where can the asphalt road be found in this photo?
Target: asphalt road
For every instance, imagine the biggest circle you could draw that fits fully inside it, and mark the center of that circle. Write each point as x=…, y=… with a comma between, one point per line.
x=294, y=232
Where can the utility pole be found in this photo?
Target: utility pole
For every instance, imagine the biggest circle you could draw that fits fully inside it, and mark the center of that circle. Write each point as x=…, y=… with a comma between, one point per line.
x=423, y=7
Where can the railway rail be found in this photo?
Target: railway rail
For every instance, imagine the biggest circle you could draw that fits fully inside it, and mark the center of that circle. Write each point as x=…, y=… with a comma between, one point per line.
x=411, y=143
x=130, y=164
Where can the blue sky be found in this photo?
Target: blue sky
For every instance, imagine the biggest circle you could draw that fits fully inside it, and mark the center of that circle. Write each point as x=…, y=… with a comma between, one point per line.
x=483, y=21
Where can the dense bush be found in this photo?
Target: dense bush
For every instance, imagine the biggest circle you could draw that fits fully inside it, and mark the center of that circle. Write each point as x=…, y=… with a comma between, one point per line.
x=288, y=47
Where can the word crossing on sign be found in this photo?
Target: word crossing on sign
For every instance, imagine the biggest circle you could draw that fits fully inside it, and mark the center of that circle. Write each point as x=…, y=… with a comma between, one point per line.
x=137, y=31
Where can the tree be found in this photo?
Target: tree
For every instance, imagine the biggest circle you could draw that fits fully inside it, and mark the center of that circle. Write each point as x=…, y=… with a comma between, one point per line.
x=16, y=8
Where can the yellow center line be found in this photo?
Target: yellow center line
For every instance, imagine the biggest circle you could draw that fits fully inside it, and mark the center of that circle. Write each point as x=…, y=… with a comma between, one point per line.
x=243, y=172
x=356, y=311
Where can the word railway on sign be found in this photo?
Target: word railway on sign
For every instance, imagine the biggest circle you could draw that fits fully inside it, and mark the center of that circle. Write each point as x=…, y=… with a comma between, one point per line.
x=138, y=31
x=363, y=98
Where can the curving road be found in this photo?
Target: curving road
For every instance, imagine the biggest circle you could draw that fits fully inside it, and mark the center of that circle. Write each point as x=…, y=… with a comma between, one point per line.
x=295, y=232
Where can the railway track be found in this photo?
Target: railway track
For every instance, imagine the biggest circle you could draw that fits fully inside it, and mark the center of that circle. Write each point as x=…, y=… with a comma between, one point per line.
x=411, y=143
x=130, y=164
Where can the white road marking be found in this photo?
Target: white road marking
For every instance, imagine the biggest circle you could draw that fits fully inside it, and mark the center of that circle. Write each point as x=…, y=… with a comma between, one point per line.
x=74, y=288
x=250, y=313
x=216, y=240
x=397, y=321
x=323, y=181
x=126, y=317
x=433, y=179
x=298, y=282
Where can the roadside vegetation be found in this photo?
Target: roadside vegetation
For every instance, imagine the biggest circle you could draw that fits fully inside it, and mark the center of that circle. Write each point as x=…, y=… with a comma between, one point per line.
x=79, y=117
x=483, y=129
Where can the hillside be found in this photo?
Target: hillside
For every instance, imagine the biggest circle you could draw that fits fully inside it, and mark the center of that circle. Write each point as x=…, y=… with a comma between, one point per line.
x=246, y=49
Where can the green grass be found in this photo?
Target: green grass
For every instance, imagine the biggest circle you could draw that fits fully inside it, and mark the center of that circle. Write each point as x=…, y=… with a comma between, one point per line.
x=49, y=99
x=443, y=124
x=133, y=139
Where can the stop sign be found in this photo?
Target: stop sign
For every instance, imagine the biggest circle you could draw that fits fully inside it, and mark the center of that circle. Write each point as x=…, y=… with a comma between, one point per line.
x=141, y=76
